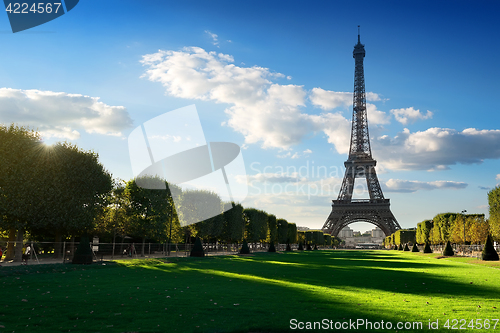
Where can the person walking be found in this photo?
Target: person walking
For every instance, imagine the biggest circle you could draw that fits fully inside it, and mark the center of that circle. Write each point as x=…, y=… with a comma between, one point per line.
x=26, y=254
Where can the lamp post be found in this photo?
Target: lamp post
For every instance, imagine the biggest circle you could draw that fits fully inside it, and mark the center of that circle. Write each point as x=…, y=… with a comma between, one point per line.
x=170, y=233
x=462, y=212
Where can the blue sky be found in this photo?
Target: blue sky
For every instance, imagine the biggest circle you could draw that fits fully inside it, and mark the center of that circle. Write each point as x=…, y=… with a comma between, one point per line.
x=275, y=77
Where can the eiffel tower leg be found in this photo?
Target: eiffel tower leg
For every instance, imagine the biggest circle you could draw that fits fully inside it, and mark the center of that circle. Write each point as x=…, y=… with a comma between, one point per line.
x=347, y=184
x=373, y=184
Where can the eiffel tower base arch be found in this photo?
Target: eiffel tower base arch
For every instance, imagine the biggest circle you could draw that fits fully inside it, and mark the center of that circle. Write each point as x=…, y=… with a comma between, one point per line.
x=345, y=212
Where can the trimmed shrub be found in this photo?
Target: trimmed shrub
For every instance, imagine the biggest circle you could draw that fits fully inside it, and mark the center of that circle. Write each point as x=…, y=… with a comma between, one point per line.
x=244, y=248
x=288, y=248
x=448, y=250
x=400, y=247
x=197, y=250
x=406, y=248
x=489, y=252
x=315, y=247
x=308, y=247
x=83, y=254
x=301, y=247
x=271, y=248
x=414, y=248
x=427, y=248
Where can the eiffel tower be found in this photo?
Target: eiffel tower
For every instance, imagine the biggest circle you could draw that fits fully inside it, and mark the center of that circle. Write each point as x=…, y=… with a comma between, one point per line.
x=360, y=164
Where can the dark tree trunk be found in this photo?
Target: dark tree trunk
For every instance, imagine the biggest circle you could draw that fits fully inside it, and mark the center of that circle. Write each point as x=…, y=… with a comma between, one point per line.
x=19, y=246
x=57, y=245
x=10, y=245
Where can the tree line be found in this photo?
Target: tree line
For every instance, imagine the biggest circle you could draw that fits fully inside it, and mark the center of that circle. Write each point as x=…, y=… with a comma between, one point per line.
x=60, y=192
x=457, y=228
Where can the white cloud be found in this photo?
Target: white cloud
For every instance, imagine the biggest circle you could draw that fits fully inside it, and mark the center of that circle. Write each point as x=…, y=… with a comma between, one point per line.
x=292, y=203
x=296, y=155
x=337, y=128
x=226, y=57
x=409, y=115
x=260, y=109
x=288, y=154
x=168, y=138
x=60, y=114
x=270, y=113
x=376, y=117
x=275, y=178
x=329, y=100
x=373, y=97
x=498, y=177
x=407, y=186
x=307, y=151
x=436, y=148
x=214, y=37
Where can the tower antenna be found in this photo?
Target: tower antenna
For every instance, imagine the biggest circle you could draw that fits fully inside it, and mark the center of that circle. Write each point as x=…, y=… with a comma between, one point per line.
x=359, y=41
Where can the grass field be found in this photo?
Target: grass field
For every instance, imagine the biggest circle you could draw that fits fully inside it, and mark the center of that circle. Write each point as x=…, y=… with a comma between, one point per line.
x=256, y=293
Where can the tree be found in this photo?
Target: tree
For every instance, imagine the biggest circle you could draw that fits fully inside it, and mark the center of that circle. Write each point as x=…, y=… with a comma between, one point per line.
x=423, y=231
x=273, y=228
x=414, y=248
x=112, y=221
x=435, y=235
x=292, y=233
x=444, y=222
x=195, y=205
x=150, y=208
x=489, y=252
x=494, y=209
x=336, y=241
x=234, y=223
x=282, y=230
x=479, y=230
x=448, y=250
x=256, y=225
x=272, y=248
x=244, y=248
x=404, y=236
x=75, y=189
x=301, y=237
x=328, y=239
x=17, y=155
x=197, y=250
x=318, y=237
x=83, y=254
x=56, y=189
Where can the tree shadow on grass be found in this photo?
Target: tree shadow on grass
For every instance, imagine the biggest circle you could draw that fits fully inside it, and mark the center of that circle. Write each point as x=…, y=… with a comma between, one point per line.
x=308, y=287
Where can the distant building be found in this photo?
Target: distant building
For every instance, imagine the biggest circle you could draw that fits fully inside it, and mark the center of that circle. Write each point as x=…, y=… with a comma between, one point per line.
x=345, y=233
x=353, y=238
x=378, y=233
x=302, y=228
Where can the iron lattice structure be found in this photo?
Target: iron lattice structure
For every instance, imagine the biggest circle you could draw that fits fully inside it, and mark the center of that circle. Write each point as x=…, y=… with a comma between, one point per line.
x=360, y=164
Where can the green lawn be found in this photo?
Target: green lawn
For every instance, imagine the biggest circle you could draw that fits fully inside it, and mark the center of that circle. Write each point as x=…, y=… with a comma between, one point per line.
x=257, y=293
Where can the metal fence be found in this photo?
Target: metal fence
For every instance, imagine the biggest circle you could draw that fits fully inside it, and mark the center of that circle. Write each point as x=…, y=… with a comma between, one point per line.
x=63, y=252
x=460, y=249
